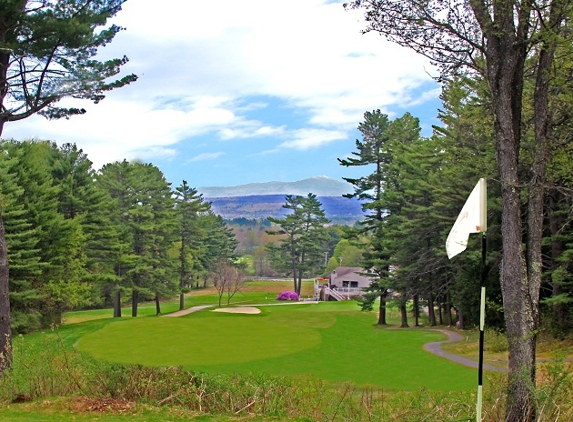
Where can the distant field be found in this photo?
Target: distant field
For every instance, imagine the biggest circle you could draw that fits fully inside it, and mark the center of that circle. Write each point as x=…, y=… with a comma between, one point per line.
x=333, y=341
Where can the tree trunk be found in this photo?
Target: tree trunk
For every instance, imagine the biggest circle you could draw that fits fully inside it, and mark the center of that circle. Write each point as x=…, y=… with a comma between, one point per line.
x=416, y=306
x=134, y=301
x=5, y=321
x=5, y=329
x=449, y=310
x=157, y=304
x=382, y=308
x=182, y=273
x=519, y=310
x=403, y=314
x=117, y=304
x=298, y=286
x=557, y=247
x=460, y=324
x=431, y=310
x=293, y=267
x=505, y=67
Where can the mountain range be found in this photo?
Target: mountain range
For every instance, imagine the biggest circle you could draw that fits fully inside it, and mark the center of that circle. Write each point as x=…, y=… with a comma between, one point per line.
x=319, y=185
x=258, y=201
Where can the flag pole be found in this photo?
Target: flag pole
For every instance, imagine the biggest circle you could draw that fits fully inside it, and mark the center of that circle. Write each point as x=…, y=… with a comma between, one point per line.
x=473, y=219
x=481, y=326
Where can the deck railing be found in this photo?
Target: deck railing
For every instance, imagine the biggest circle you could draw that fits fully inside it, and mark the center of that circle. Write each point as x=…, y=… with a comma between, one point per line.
x=339, y=293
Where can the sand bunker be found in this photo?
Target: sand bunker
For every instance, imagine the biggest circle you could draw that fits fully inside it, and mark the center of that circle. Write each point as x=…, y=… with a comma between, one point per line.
x=239, y=310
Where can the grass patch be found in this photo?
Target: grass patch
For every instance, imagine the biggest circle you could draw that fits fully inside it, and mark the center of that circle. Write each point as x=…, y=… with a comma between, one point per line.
x=190, y=342
x=343, y=369
x=333, y=341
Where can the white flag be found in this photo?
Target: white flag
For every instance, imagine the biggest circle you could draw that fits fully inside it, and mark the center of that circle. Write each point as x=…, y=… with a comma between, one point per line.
x=472, y=219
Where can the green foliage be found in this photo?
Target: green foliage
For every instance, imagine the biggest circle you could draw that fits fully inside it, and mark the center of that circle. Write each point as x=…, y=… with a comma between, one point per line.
x=79, y=239
x=144, y=215
x=49, y=49
x=23, y=253
x=48, y=230
x=412, y=197
x=190, y=208
x=347, y=253
x=303, y=237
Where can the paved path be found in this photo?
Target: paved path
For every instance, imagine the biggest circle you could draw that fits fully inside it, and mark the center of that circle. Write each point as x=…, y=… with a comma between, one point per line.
x=436, y=348
x=188, y=311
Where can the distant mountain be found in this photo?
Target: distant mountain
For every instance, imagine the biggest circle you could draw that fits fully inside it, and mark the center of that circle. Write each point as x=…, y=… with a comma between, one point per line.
x=320, y=186
x=338, y=209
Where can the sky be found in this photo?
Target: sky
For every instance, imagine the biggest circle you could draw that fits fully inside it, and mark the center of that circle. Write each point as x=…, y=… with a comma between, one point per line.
x=233, y=92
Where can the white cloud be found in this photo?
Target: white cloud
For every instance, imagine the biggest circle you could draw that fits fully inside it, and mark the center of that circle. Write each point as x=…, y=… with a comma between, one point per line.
x=251, y=129
x=305, y=139
x=314, y=52
x=428, y=95
x=206, y=156
x=204, y=66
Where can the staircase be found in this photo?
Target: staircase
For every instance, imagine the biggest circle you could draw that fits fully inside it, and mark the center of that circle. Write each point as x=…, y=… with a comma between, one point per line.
x=333, y=293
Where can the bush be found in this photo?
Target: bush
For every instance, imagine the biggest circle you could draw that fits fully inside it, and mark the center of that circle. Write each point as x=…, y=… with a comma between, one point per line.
x=287, y=296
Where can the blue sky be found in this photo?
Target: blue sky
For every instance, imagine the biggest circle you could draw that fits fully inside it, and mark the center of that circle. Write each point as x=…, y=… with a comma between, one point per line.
x=233, y=92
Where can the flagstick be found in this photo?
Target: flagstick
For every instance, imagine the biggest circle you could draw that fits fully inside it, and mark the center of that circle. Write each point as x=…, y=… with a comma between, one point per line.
x=481, y=327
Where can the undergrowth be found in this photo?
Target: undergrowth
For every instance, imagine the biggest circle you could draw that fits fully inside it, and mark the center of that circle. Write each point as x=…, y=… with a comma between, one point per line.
x=51, y=368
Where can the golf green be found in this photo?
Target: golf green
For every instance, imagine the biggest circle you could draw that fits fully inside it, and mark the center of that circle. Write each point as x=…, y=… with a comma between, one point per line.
x=294, y=340
x=196, y=341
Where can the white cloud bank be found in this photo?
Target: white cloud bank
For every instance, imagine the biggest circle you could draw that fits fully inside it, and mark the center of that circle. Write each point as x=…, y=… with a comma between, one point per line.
x=198, y=62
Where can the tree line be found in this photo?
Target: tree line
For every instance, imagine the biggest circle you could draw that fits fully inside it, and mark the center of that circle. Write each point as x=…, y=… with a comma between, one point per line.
x=47, y=53
x=79, y=238
x=414, y=193
x=516, y=54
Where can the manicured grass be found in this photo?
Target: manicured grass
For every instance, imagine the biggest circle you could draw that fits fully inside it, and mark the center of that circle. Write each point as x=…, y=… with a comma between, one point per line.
x=332, y=341
x=250, y=367
x=253, y=292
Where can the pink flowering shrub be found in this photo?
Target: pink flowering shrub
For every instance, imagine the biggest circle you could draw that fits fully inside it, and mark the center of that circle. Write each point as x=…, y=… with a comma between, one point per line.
x=287, y=296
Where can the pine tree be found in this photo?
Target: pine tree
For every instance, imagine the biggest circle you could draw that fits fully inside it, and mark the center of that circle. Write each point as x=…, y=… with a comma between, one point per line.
x=59, y=240
x=23, y=252
x=113, y=179
x=189, y=207
x=381, y=196
x=303, y=235
x=47, y=53
x=145, y=212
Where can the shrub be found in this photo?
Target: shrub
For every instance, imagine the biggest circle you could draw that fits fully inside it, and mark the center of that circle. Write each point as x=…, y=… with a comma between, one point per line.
x=287, y=296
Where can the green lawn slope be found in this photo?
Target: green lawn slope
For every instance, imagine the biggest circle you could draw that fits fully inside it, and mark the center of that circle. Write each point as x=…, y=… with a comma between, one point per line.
x=331, y=341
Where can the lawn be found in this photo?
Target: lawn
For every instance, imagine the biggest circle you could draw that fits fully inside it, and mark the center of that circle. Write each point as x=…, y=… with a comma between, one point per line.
x=296, y=363
x=332, y=341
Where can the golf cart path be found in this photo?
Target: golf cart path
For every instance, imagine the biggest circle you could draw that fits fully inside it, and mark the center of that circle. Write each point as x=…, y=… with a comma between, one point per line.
x=188, y=311
x=435, y=347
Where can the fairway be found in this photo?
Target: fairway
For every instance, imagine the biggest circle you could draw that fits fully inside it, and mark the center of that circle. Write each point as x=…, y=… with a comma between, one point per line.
x=196, y=341
x=325, y=340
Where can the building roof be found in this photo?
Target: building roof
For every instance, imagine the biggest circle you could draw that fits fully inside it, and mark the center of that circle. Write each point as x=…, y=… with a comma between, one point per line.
x=340, y=271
